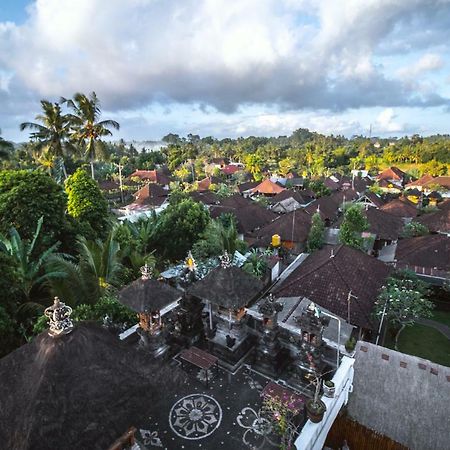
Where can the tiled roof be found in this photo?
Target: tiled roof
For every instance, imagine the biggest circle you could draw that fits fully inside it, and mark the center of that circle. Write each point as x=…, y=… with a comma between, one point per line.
x=289, y=194
x=293, y=226
x=421, y=181
x=268, y=187
x=327, y=277
x=400, y=207
x=329, y=205
x=384, y=225
x=249, y=216
x=391, y=173
x=441, y=181
x=425, y=251
x=150, y=194
x=247, y=186
x=154, y=176
x=206, y=197
x=204, y=185
x=230, y=169
x=108, y=185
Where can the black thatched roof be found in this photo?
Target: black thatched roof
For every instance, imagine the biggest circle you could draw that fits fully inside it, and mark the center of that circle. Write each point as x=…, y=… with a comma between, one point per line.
x=231, y=288
x=148, y=295
x=79, y=391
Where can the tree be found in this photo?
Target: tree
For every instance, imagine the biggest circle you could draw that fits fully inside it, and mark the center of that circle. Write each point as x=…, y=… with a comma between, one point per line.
x=316, y=233
x=354, y=223
x=256, y=264
x=6, y=148
x=52, y=134
x=86, y=202
x=285, y=166
x=87, y=129
x=97, y=271
x=26, y=196
x=319, y=188
x=179, y=226
x=413, y=229
x=253, y=164
x=29, y=265
x=403, y=301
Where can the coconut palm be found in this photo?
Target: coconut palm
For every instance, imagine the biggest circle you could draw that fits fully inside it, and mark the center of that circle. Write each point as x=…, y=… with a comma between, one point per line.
x=5, y=148
x=30, y=266
x=84, y=280
x=52, y=133
x=87, y=129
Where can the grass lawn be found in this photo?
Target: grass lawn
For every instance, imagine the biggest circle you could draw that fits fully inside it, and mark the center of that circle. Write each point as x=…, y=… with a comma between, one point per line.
x=442, y=316
x=423, y=341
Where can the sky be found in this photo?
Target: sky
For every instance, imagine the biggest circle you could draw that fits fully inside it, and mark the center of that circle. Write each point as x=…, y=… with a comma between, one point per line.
x=231, y=68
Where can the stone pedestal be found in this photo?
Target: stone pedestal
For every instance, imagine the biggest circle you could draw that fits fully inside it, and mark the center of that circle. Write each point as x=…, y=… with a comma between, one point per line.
x=154, y=342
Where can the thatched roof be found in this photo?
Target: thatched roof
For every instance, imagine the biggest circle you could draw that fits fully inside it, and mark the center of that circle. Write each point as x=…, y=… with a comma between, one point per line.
x=148, y=295
x=79, y=391
x=231, y=287
x=403, y=397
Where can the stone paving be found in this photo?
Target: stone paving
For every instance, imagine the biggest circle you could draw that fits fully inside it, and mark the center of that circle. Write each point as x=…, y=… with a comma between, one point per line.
x=223, y=416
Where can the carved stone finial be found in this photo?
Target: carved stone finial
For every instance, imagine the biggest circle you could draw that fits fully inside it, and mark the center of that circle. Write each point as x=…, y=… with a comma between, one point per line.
x=269, y=306
x=146, y=272
x=59, y=318
x=225, y=260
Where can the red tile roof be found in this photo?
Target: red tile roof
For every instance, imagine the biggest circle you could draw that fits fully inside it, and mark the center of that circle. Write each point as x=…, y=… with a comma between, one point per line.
x=328, y=276
x=421, y=181
x=268, y=187
x=154, y=176
x=230, y=169
x=151, y=194
x=392, y=173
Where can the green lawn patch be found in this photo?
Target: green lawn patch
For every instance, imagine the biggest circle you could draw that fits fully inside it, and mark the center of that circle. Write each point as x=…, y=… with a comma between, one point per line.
x=442, y=316
x=423, y=341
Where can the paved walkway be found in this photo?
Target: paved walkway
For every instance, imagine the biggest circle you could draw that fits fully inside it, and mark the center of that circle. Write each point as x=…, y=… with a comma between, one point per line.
x=444, y=329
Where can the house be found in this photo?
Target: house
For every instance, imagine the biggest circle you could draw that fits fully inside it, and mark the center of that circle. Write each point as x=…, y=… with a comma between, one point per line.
x=288, y=200
x=437, y=221
x=151, y=195
x=246, y=188
x=420, y=183
x=331, y=206
x=370, y=199
x=205, y=184
x=392, y=175
x=208, y=198
x=426, y=255
x=230, y=169
x=341, y=279
x=388, y=187
x=151, y=176
x=440, y=184
x=249, y=215
x=292, y=227
x=401, y=207
x=434, y=198
x=389, y=388
x=267, y=188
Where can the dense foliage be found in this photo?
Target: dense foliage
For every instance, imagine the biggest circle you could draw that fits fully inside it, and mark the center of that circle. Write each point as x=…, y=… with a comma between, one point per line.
x=354, y=223
x=86, y=203
x=316, y=233
x=27, y=196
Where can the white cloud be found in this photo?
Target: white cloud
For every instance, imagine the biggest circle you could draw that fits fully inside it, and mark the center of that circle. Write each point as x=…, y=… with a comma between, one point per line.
x=385, y=123
x=222, y=53
x=429, y=62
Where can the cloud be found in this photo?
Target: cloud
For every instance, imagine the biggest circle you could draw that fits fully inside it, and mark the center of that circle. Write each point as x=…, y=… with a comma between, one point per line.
x=385, y=123
x=214, y=52
x=429, y=62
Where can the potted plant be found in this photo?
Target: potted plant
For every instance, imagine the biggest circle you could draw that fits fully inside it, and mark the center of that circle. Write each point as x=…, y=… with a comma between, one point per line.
x=315, y=408
x=350, y=345
x=328, y=389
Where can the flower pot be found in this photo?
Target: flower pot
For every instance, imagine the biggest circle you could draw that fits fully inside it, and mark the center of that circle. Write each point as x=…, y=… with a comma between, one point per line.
x=315, y=410
x=328, y=389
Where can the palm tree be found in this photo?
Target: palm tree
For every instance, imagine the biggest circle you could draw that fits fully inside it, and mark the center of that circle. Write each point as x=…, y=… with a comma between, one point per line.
x=97, y=270
x=52, y=133
x=30, y=266
x=5, y=148
x=86, y=127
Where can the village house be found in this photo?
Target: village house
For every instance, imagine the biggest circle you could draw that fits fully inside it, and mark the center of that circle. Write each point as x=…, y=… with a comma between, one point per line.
x=343, y=280
x=267, y=188
x=401, y=207
x=151, y=176
x=391, y=180
x=437, y=221
x=288, y=201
